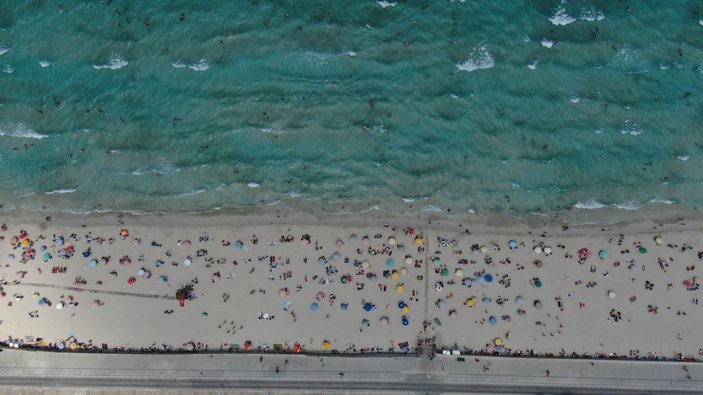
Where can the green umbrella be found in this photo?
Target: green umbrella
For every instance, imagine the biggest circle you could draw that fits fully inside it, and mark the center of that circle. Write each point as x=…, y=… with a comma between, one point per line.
x=643, y=250
x=445, y=272
x=538, y=283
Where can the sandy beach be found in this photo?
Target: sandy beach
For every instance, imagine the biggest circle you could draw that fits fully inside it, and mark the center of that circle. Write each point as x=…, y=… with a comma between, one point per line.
x=350, y=285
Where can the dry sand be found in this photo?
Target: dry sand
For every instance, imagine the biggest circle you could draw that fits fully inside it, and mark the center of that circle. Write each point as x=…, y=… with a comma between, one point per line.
x=577, y=314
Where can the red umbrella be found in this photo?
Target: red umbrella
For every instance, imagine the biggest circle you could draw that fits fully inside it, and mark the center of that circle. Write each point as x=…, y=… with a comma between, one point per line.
x=584, y=252
x=131, y=280
x=320, y=296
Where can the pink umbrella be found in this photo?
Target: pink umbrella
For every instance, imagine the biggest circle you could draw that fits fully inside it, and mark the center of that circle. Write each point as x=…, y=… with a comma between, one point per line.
x=320, y=296
x=687, y=283
x=453, y=314
x=384, y=321
x=184, y=244
x=215, y=277
x=339, y=243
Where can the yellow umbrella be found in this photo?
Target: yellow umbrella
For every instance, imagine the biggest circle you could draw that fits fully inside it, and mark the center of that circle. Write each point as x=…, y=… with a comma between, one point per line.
x=25, y=242
x=419, y=240
x=326, y=345
x=404, y=271
x=406, y=309
x=399, y=289
x=459, y=272
x=470, y=303
x=391, y=240
x=395, y=275
x=408, y=261
x=72, y=346
x=498, y=342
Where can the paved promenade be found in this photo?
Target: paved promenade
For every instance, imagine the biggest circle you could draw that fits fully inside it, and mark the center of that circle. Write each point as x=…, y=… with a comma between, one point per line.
x=54, y=372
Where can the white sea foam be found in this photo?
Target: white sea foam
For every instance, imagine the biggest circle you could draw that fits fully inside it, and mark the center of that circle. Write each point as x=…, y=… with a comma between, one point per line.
x=60, y=191
x=432, y=209
x=114, y=63
x=24, y=132
x=526, y=38
x=660, y=200
x=574, y=99
x=408, y=200
x=380, y=129
x=479, y=59
x=472, y=211
x=385, y=4
x=590, y=204
x=8, y=69
x=599, y=130
x=628, y=206
x=533, y=65
x=560, y=17
x=44, y=63
x=700, y=21
x=199, y=191
x=683, y=158
x=591, y=14
x=294, y=194
x=201, y=65
x=350, y=53
x=631, y=128
x=273, y=131
x=547, y=43
x=629, y=60
x=253, y=185
x=4, y=49
x=457, y=1
x=178, y=64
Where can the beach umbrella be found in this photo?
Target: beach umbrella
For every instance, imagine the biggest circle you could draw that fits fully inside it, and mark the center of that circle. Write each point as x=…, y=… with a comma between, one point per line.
x=406, y=309
x=365, y=264
x=537, y=304
x=131, y=280
x=384, y=321
x=547, y=250
x=441, y=303
x=484, y=249
x=390, y=262
x=238, y=245
x=158, y=263
x=453, y=314
x=59, y=306
x=658, y=240
x=512, y=244
x=643, y=250
x=405, y=348
x=458, y=272
x=470, y=302
x=538, y=250
x=395, y=275
x=488, y=278
x=485, y=300
x=365, y=322
x=445, y=272
x=25, y=242
x=538, y=283
x=297, y=348
x=326, y=345
x=187, y=261
x=436, y=260
x=480, y=279
x=124, y=233
x=399, y=289
x=344, y=306
x=42, y=301
x=611, y=294
x=10, y=257
x=314, y=306
x=353, y=237
x=339, y=243
x=405, y=321
x=140, y=272
x=365, y=239
x=163, y=279
x=519, y=300
x=408, y=261
x=190, y=347
x=184, y=244
x=401, y=304
x=391, y=240
x=584, y=252
x=93, y=262
x=46, y=257
x=603, y=254
x=404, y=271
x=410, y=232
x=499, y=348
x=368, y=306
x=419, y=240
x=42, y=248
x=322, y=260
x=61, y=345
x=498, y=341
x=336, y=256
x=215, y=276
x=136, y=242
x=320, y=296
x=492, y=320
x=475, y=252
x=203, y=315
x=14, y=240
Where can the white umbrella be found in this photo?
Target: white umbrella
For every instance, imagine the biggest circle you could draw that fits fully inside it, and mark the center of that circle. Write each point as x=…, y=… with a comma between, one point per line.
x=187, y=261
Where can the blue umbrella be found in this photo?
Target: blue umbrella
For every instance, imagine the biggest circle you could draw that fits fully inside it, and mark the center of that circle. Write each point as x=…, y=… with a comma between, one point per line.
x=286, y=304
x=158, y=263
x=47, y=256
x=485, y=300
x=42, y=301
x=59, y=241
x=405, y=348
x=512, y=244
x=93, y=262
x=603, y=254
x=436, y=261
x=238, y=245
x=488, y=278
x=390, y=262
x=401, y=304
x=365, y=322
x=492, y=320
x=42, y=248
x=344, y=306
x=314, y=307
x=481, y=279
x=368, y=306
x=499, y=348
x=405, y=322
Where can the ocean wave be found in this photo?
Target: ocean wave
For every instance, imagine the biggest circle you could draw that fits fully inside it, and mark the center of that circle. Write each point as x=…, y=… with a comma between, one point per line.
x=560, y=17
x=253, y=185
x=574, y=98
x=201, y=65
x=385, y=4
x=660, y=200
x=591, y=14
x=44, y=63
x=60, y=191
x=197, y=192
x=432, y=208
x=631, y=128
x=630, y=205
x=683, y=158
x=628, y=60
x=273, y=131
x=479, y=59
x=350, y=53
x=24, y=132
x=294, y=194
x=4, y=49
x=547, y=43
x=590, y=204
x=533, y=65
x=114, y=63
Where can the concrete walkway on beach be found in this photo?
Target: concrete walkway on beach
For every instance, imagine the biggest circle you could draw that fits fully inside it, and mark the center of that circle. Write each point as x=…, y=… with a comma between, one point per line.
x=202, y=372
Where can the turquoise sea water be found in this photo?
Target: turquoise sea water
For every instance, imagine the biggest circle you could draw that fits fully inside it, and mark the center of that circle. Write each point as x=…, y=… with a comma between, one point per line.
x=503, y=106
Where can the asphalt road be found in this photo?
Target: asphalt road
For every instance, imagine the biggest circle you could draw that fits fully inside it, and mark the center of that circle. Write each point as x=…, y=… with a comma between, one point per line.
x=200, y=372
